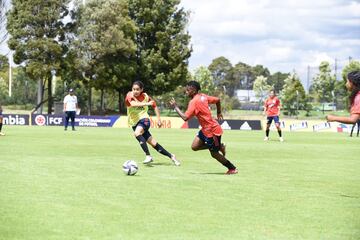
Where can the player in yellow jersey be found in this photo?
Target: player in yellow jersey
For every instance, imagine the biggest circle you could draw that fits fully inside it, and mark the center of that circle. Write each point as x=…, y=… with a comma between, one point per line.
x=137, y=103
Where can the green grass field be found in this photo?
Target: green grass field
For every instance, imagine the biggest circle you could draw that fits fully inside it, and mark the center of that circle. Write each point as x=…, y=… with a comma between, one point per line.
x=70, y=185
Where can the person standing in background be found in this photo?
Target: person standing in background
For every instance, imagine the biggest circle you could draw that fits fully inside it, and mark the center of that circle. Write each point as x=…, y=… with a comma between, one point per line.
x=1, y=121
x=272, y=111
x=70, y=107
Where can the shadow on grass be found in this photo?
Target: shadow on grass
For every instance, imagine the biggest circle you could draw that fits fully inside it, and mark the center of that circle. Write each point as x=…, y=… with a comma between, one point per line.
x=209, y=173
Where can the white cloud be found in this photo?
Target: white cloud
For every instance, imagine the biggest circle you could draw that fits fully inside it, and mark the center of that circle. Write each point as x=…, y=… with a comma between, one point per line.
x=282, y=35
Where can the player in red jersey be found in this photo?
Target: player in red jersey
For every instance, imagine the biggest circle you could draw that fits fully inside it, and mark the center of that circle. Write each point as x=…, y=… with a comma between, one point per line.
x=353, y=85
x=272, y=111
x=209, y=137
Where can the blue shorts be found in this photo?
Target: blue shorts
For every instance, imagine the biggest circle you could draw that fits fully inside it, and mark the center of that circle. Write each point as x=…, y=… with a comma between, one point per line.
x=276, y=120
x=145, y=124
x=213, y=143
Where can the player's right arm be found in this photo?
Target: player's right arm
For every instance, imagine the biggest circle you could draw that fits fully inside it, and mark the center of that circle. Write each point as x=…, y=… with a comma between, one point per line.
x=65, y=100
x=177, y=109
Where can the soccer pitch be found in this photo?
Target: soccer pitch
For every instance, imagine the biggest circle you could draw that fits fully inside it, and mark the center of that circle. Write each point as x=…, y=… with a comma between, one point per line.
x=70, y=185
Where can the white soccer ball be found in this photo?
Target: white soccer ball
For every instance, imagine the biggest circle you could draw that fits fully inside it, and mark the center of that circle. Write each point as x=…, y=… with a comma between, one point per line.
x=130, y=167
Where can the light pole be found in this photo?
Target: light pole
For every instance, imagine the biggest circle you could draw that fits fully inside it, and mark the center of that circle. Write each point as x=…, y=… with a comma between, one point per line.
x=53, y=74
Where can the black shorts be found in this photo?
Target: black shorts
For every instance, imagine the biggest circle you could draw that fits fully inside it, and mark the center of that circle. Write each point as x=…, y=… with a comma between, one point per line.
x=275, y=118
x=213, y=143
x=145, y=124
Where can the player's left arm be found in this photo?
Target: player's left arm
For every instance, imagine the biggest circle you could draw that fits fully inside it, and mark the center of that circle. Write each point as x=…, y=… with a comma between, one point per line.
x=157, y=111
x=353, y=118
x=216, y=100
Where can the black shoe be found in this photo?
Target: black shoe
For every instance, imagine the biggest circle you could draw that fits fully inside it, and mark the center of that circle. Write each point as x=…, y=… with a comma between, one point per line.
x=65, y=129
x=73, y=129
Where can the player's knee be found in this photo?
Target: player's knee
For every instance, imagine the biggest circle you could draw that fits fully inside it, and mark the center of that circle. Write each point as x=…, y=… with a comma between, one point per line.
x=194, y=148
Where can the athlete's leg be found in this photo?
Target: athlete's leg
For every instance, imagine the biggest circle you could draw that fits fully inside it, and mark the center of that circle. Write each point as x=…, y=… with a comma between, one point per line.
x=67, y=117
x=358, y=128
x=221, y=159
x=151, y=140
x=72, y=117
x=267, y=131
x=1, y=124
x=158, y=147
x=352, y=129
x=198, y=144
x=139, y=130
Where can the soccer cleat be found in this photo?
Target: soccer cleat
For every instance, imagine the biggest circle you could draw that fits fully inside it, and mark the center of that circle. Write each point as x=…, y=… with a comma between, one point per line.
x=232, y=171
x=223, y=149
x=281, y=139
x=2, y=134
x=148, y=159
x=266, y=139
x=175, y=161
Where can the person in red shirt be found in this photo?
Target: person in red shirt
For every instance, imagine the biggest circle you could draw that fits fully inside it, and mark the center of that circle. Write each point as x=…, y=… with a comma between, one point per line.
x=353, y=85
x=209, y=137
x=272, y=111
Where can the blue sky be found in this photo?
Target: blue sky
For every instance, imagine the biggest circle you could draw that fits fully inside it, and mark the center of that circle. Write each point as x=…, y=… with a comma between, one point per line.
x=282, y=35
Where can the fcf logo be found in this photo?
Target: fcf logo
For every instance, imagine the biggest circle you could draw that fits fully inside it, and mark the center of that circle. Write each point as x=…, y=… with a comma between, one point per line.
x=40, y=120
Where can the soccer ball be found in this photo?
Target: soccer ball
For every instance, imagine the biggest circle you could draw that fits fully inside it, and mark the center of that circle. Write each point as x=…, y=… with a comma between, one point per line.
x=130, y=167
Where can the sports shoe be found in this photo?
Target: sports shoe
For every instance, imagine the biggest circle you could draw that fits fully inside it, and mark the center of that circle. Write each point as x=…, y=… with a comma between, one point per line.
x=148, y=159
x=2, y=134
x=266, y=139
x=281, y=139
x=175, y=161
x=223, y=149
x=232, y=171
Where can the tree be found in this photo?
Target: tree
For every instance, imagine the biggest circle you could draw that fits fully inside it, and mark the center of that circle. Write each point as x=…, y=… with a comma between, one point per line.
x=221, y=71
x=4, y=62
x=324, y=83
x=293, y=95
x=261, y=87
x=243, y=76
x=260, y=70
x=104, y=47
x=204, y=77
x=36, y=35
x=277, y=80
x=162, y=44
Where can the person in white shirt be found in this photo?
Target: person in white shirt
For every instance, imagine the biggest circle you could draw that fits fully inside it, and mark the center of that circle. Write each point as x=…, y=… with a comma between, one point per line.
x=70, y=107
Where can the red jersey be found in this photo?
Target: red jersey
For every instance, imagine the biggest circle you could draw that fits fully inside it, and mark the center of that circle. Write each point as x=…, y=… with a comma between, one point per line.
x=272, y=107
x=199, y=107
x=355, y=107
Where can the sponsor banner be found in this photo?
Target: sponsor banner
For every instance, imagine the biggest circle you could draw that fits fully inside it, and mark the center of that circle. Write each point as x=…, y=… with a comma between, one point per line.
x=321, y=126
x=297, y=126
x=82, y=121
x=16, y=119
x=228, y=124
x=167, y=122
x=300, y=126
